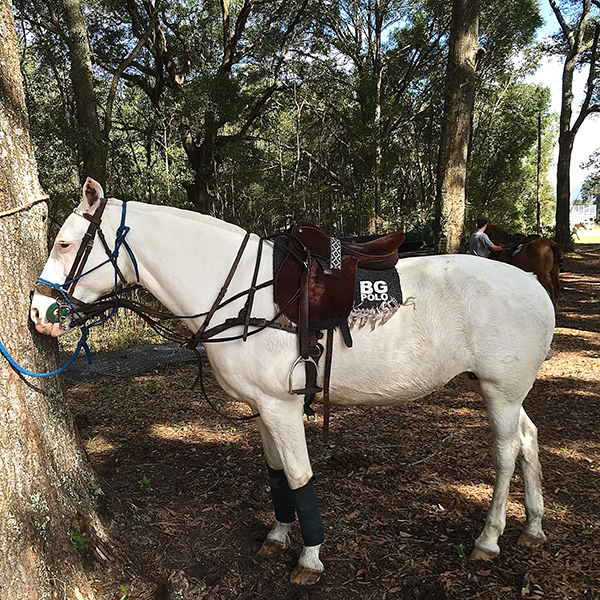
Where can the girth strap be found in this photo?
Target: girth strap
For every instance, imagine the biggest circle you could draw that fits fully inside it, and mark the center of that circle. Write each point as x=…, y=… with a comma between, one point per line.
x=326, y=381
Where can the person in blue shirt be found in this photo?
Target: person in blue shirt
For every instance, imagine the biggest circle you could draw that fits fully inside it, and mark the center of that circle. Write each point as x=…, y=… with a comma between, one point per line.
x=480, y=244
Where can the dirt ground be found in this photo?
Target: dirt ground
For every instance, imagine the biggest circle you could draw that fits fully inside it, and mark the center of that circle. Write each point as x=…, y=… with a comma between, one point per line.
x=403, y=491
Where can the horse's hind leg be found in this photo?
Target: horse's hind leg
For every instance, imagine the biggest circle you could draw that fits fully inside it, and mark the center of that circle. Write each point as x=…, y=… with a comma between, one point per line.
x=533, y=534
x=504, y=420
x=544, y=279
x=555, y=282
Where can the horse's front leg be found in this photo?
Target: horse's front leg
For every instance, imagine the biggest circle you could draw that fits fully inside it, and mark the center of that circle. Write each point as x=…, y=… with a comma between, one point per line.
x=292, y=491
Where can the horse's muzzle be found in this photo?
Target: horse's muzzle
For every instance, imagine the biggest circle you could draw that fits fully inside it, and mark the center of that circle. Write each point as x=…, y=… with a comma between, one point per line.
x=50, y=315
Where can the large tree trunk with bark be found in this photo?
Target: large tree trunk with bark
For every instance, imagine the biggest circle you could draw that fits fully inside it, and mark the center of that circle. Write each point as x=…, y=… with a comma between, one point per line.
x=582, y=48
x=45, y=478
x=93, y=142
x=203, y=160
x=566, y=139
x=456, y=127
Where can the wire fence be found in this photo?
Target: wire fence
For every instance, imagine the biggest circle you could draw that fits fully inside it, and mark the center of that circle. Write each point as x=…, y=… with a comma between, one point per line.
x=124, y=346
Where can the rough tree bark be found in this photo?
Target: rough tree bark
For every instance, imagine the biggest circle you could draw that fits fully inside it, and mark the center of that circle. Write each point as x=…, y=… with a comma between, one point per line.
x=456, y=126
x=45, y=478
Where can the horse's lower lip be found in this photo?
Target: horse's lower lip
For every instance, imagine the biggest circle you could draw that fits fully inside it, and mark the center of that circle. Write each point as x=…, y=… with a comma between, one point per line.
x=51, y=329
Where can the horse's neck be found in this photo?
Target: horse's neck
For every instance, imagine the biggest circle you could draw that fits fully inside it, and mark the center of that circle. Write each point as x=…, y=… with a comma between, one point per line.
x=184, y=258
x=497, y=235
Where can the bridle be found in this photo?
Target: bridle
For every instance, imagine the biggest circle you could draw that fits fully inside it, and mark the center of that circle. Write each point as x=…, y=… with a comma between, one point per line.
x=67, y=308
x=87, y=243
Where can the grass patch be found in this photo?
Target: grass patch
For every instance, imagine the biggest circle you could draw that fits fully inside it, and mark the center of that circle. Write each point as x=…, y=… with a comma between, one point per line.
x=588, y=237
x=121, y=331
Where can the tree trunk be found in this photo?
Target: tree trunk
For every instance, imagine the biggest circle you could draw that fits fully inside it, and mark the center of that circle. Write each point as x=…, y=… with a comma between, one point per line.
x=581, y=49
x=93, y=143
x=565, y=149
x=45, y=478
x=377, y=169
x=456, y=126
x=538, y=178
x=203, y=158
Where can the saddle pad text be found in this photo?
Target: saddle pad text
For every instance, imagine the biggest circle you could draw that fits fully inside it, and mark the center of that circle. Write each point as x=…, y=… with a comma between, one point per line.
x=375, y=289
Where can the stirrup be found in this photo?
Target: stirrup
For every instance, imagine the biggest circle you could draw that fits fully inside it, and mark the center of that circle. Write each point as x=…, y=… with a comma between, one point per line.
x=314, y=390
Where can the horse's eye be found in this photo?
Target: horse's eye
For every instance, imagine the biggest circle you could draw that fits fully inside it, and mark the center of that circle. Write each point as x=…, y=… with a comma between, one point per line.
x=64, y=245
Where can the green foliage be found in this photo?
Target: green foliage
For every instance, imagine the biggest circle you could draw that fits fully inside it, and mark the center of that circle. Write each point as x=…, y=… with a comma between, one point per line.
x=503, y=176
x=78, y=539
x=311, y=120
x=144, y=484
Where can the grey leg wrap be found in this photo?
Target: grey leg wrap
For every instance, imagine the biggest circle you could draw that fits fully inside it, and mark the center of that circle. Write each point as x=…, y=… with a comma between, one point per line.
x=283, y=502
x=309, y=515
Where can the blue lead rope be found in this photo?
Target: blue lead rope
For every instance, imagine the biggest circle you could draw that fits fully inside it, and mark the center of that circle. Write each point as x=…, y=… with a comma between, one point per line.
x=120, y=235
x=81, y=344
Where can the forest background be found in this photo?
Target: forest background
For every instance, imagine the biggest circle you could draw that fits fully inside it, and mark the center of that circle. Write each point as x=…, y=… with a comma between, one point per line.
x=262, y=112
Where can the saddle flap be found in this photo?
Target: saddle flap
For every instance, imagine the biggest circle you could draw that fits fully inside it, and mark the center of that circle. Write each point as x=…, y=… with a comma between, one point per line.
x=330, y=298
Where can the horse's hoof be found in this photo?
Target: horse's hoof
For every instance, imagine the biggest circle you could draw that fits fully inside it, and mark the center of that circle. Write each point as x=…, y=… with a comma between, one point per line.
x=530, y=540
x=272, y=548
x=483, y=554
x=305, y=576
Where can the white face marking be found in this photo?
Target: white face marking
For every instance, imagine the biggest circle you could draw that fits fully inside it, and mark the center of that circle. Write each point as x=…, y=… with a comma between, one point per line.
x=62, y=257
x=55, y=271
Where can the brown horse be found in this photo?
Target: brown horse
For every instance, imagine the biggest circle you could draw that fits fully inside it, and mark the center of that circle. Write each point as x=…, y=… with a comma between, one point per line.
x=531, y=253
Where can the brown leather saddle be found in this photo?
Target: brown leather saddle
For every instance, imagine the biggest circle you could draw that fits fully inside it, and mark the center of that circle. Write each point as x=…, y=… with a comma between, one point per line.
x=318, y=275
x=314, y=288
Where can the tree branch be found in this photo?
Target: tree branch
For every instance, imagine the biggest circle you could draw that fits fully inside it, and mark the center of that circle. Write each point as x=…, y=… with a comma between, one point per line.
x=586, y=107
x=256, y=109
x=561, y=21
x=117, y=76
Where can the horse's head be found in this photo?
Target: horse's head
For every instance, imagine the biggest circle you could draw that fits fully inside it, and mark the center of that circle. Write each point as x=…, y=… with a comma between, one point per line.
x=61, y=284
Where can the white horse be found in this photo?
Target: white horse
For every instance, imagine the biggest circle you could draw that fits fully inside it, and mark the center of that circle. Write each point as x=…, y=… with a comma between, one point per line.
x=462, y=315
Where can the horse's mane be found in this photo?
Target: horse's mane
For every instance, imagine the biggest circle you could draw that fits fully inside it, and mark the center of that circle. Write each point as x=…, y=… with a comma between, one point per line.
x=188, y=215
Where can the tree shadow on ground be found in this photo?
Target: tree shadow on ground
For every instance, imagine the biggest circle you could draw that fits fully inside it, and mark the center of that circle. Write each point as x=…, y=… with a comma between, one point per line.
x=400, y=522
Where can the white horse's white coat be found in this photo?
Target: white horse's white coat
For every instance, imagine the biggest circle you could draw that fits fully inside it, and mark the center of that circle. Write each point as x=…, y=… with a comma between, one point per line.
x=460, y=314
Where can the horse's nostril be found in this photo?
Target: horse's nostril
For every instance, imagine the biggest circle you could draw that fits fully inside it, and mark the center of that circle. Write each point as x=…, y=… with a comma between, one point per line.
x=35, y=314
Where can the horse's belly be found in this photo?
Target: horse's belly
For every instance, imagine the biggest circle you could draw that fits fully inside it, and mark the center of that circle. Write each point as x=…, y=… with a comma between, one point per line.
x=388, y=376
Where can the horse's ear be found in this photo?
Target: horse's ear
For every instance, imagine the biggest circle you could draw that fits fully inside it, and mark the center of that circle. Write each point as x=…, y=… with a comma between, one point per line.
x=92, y=192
